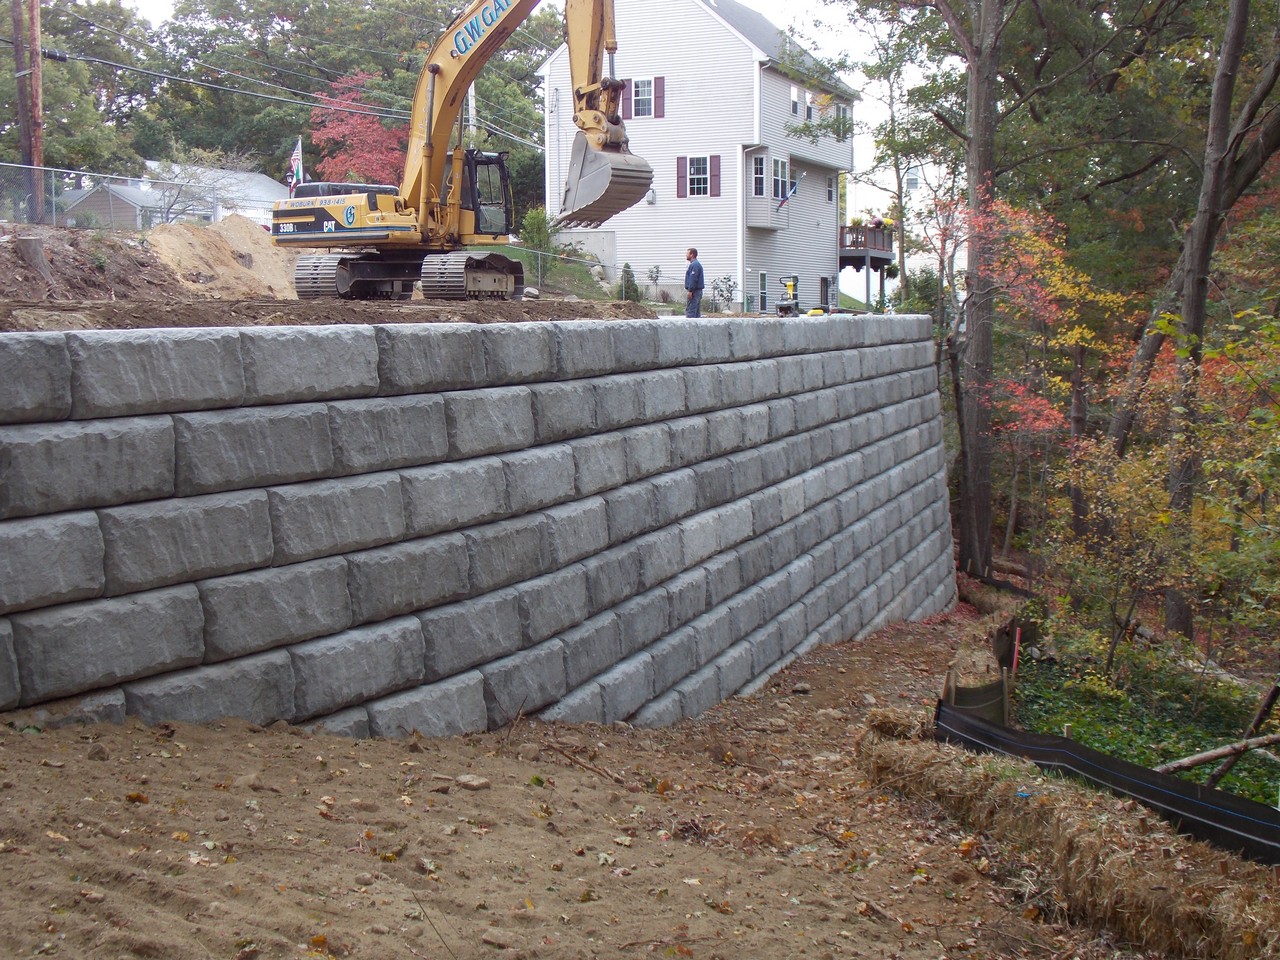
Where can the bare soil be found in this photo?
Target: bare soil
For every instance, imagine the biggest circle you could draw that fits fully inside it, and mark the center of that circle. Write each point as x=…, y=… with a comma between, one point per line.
x=755, y=831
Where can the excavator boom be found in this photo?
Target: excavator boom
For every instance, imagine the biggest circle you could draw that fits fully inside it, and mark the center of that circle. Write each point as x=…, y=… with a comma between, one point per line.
x=452, y=197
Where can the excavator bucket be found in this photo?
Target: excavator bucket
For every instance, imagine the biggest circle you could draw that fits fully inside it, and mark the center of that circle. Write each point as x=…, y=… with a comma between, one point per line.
x=601, y=183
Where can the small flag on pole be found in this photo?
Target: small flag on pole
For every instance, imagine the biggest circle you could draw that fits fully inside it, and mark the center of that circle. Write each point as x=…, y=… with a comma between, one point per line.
x=795, y=185
x=296, y=174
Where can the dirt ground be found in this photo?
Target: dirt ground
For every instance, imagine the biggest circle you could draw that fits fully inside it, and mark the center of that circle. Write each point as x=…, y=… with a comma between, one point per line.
x=755, y=831
x=229, y=273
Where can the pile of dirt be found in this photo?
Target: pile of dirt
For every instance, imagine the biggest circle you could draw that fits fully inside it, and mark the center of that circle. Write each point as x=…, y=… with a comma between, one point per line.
x=224, y=274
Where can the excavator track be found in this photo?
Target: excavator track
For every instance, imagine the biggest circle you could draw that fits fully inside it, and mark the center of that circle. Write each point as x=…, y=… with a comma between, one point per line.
x=472, y=276
x=315, y=276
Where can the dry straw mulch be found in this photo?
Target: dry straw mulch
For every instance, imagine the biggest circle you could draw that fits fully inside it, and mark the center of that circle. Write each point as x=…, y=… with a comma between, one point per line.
x=1113, y=864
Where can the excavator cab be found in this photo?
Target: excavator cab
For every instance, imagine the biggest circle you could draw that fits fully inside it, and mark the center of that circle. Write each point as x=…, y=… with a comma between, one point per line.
x=601, y=182
x=486, y=191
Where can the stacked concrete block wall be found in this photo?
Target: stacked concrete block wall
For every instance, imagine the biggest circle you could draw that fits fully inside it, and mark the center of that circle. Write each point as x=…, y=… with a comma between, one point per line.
x=441, y=527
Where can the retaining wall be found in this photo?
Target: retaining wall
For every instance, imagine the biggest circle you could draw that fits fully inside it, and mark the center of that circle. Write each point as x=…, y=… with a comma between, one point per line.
x=439, y=527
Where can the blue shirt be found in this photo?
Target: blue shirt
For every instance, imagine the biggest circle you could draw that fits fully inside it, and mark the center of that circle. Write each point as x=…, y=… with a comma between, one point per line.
x=693, y=275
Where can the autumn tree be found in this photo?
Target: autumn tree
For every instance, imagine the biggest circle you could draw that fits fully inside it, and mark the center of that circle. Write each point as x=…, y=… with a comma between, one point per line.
x=356, y=143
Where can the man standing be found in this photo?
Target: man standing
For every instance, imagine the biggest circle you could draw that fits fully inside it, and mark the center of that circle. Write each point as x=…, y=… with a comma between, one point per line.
x=693, y=284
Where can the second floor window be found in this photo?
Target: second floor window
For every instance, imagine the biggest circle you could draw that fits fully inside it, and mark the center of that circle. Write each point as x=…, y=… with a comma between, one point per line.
x=699, y=176
x=757, y=177
x=844, y=126
x=642, y=98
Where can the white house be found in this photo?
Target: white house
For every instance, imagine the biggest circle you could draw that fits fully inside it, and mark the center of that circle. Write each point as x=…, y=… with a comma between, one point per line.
x=710, y=97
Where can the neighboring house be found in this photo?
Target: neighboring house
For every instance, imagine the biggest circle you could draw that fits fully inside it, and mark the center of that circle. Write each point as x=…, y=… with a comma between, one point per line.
x=172, y=192
x=708, y=102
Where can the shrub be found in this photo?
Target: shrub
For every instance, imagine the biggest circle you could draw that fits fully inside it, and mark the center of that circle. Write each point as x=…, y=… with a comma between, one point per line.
x=628, y=289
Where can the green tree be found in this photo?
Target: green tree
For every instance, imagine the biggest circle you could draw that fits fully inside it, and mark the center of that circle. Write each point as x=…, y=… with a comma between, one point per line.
x=628, y=289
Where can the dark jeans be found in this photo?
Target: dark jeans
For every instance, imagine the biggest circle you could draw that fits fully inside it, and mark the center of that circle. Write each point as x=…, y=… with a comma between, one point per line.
x=693, y=304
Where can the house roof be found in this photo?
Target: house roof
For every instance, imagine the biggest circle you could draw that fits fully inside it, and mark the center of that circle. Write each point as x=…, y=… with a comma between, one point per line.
x=777, y=45
x=139, y=198
x=234, y=182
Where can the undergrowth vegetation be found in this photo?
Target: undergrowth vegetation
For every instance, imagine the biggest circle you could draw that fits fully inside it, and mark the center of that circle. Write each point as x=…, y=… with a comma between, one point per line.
x=1158, y=703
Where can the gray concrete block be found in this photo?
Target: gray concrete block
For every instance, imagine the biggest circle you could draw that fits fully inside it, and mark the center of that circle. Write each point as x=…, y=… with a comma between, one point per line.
x=35, y=377
x=766, y=649
x=714, y=483
x=747, y=472
x=619, y=401
x=702, y=388
x=773, y=463
x=635, y=344
x=688, y=441
x=101, y=706
x=724, y=577
x=583, y=349
x=782, y=417
x=563, y=410
x=426, y=358
x=662, y=712
x=385, y=433
x=700, y=692
x=733, y=522
x=661, y=556
x=10, y=686
x=792, y=627
x=506, y=552
x=648, y=450
x=746, y=611
x=600, y=463
x=675, y=496
x=524, y=682
x=744, y=337
x=733, y=669
x=116, y=373
x=231, y=449
x=151, y=545
x=713, y=634
x=713, y=341
x=539, y=477
x=258, y=689
x=407, y=577
x=489, y=421
x=642, y=620
x=591, y=648
x=724, y=432
x=326, y=517
x=251, y=612
x=576, y=530
x=755, y=424
x=700, y=538
x=677, y=342
x=766, y=510
x=48, y=560
x=737, y=385
x=766, y=383
x=450, y=496
x=758, y=559
x=472, y=632
x=662, y=394
x=626, y=687
x=686, y=597
x=674, y=657
x=519, y=352
x=49, y=468
x=552, y=603
x=352, y=724
x=348, y=668
x=629, y=511
x=612, y=576
x=445, y=709
x=297, y=364
x=77, y=647
x=790, y=375
x=583, y=705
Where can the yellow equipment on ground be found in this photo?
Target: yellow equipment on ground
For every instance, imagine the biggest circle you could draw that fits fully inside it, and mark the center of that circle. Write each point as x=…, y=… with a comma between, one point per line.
x=382, y=239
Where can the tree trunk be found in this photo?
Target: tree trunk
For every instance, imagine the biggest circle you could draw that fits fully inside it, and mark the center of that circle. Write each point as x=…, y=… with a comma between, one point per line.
x=1259, y=718
x=1198, y=247
x=1234, y=749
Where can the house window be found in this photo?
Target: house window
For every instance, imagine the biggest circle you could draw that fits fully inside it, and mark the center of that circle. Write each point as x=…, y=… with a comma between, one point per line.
x=831, y=188
x=808, y=105
x=795, y=100
x=912, y=180
x=644, y=97
x=764, y=292
x=844, y=125
x=781, y=178
x=698, y=176
x=757, y=177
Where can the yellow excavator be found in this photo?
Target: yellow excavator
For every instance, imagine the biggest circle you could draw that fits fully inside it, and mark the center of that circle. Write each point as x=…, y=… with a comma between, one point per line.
x=382, y=239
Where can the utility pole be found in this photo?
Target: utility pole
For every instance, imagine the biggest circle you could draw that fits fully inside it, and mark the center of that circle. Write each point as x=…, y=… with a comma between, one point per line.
x=37, y=107
x=22, y=78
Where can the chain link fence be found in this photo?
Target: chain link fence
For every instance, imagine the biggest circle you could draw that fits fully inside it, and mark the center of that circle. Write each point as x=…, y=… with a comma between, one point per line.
x=169, y=194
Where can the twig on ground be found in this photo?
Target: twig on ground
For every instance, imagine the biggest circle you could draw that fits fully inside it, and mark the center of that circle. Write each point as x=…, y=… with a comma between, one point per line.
x=584, y=765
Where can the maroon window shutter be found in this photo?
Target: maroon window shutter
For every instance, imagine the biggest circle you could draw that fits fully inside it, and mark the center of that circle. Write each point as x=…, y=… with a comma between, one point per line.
x=659, y=96
x=715, y=174
x=626, y=100
x=682, y=176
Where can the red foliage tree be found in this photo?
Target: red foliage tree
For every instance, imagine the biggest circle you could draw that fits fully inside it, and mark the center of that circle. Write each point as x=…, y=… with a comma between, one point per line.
x=357, y=147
